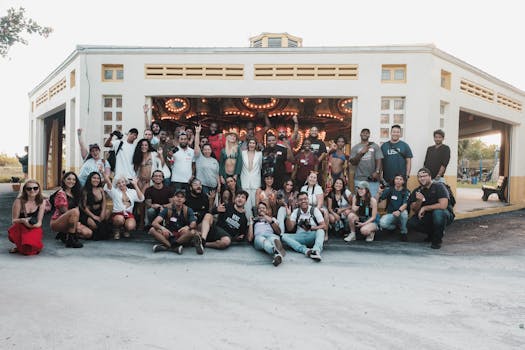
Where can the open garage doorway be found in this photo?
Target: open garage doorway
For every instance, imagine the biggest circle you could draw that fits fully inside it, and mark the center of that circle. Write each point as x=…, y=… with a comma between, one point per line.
x=483, y=161
x=55, y=151
x=332, y=115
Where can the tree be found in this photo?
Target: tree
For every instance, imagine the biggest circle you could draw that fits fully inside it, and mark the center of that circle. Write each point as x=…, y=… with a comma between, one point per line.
x=13, y=25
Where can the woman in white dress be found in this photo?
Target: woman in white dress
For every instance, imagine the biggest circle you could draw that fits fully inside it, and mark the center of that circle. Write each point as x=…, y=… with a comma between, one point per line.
x=251, y=174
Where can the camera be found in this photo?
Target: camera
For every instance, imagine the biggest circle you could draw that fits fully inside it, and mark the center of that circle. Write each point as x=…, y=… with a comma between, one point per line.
x=305, y=224
x=371, y=179
x=33, y=220
x=383, y=184
x=118, y=134
x=362, y=218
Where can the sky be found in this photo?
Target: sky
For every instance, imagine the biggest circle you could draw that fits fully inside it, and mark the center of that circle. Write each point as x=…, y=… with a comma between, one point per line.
x=486, y=34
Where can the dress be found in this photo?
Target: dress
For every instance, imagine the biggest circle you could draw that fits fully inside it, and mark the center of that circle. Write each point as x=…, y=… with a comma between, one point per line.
x=251, y=178
x=28, y=241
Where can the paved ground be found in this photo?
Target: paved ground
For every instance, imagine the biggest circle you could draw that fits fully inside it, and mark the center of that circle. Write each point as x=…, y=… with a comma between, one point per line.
x=387, y=294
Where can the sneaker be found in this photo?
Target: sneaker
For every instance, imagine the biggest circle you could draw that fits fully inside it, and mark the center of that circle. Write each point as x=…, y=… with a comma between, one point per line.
x=197, y=242
x=126, y=234
x=177, y=249
x=427, y=240
x=308, y=253
x=277, y=259
x=350, y=237
x=279, y=247
x=404, y=237
x=315, y=255
x=436, y=246
x=116, y=235
x=159, y=248
x=370, y=237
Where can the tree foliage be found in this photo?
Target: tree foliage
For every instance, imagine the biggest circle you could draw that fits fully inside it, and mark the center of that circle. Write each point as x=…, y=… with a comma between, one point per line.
x=473, y=149
x=14, y=25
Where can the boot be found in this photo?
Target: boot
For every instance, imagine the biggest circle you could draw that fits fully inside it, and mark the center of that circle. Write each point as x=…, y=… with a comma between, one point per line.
x=61, y=236
x=72, y=241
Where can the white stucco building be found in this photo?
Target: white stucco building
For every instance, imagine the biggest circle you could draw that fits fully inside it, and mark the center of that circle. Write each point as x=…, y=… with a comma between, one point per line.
x=100, y=88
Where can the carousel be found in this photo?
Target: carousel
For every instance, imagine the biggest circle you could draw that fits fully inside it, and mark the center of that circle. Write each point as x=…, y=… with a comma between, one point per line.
x=333, y=116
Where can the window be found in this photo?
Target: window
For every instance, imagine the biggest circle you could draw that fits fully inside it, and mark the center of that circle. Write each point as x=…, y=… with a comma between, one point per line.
x=445, y=79
x=274, y=42
x=72, y=79
x=393, y=73
x=112, y=112
x=112, y=72
x=392, y=112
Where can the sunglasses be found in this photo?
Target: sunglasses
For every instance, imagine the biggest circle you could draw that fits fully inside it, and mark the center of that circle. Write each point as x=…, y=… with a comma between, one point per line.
x=34, y=188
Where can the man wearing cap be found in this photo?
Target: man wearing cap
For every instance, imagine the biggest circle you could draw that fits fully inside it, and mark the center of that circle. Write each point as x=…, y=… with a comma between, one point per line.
x=124, y=151
x=92, y=160
x=183, y=157
x=366, y=156
x=179, y=227
x=432, y=214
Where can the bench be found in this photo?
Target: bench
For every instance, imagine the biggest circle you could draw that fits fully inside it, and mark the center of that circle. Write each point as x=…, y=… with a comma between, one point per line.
x=499, y=189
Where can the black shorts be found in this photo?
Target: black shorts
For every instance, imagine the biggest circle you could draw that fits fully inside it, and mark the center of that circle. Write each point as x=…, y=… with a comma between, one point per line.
x=216, y=233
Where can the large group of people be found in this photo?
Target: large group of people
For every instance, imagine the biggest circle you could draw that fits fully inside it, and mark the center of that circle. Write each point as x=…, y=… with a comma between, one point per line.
x=208, y=189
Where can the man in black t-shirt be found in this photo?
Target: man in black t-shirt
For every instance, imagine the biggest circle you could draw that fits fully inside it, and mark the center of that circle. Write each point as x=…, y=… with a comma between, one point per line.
x=430, y=204
x=274, y=158
x=231, y=224
x=157, y=197
x=437, y=157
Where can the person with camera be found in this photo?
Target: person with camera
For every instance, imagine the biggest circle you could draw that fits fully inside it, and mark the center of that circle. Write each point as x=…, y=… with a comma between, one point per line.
x=286, y=197
x=430, y=205
x=339, y=202
x=397, y=206
x=309, y=226
x=264, y=232
x=28, y=211
x=124, y=151
x=364, y=214
x=366, y=156
x=124, y=199
x=175, y=226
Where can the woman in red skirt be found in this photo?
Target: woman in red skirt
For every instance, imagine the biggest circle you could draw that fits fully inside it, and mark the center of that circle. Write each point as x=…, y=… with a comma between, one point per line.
x=28, y=211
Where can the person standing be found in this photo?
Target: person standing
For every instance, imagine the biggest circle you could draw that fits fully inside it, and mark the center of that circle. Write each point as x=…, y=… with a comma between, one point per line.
x=251, y=174
x=305, y=162
x=230, y=161
x=216, y=140
x=182, y=168
x=206, y=166
x=24, y=160
x=367, y=157
x=430, y=204
x=397, y=156
x=124, y=151
x=338, y=161
x=437, y=157
x=274, y=157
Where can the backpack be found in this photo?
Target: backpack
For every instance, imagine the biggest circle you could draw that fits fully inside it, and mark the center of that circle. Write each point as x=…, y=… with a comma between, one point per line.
x=52, y=201
x=452, y=199
x=184, y=213
x=112, y=156
x=312, y=210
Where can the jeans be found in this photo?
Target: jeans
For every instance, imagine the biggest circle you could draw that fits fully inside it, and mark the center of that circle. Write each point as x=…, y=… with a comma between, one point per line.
x=281, y=218
x=300, y=241
x=433, y=224
x=151, y=214
x=265, y=242
x=390, y=222
x=374, y=186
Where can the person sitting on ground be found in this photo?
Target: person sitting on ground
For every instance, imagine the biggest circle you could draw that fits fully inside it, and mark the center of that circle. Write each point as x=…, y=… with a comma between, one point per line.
x=202, y=205
x=310, y=228
x=286, y=197
x=93, y=211
x=430, y=205
x=232, y=224
x=229, y=191
x=264, y=232
x=66, y=218
x=267, y=194
x=339, y=205
x=364, y=214
x=316, y=196
x=179, y=227
x=397, y=204
x=156, y=197
x=26, y=229
x=124, y=200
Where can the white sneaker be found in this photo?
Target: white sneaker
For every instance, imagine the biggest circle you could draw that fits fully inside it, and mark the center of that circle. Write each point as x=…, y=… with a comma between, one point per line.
x=370, y=237
x=350, y=237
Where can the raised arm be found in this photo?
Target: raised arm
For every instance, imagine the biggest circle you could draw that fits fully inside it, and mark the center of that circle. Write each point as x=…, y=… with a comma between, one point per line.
x=197, y=147
x=83, y=149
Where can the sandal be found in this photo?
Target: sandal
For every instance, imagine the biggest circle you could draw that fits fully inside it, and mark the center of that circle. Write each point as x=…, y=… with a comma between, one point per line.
x=13, y=250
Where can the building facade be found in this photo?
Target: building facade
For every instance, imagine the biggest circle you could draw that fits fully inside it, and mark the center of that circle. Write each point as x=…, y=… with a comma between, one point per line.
x=102, y=88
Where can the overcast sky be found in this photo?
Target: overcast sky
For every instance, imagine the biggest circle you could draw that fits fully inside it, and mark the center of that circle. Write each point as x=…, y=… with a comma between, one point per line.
x=486, y=34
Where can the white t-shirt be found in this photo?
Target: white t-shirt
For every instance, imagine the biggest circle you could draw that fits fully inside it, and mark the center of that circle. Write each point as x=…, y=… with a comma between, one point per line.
x=181, y=169
x=90, y=166
x=116, y=197
x=306, y=216
x=124, y=163
x=312, y=193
